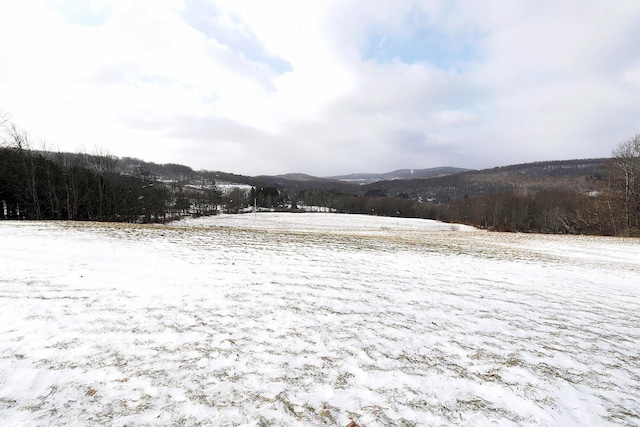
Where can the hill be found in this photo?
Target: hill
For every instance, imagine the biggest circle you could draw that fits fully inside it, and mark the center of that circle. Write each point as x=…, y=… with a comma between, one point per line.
x=367, y=178
x=438, y=185
x=548, y=197
x=569, y=175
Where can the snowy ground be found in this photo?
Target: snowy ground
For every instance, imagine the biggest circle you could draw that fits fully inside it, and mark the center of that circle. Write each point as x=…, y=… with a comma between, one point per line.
x=314, y=319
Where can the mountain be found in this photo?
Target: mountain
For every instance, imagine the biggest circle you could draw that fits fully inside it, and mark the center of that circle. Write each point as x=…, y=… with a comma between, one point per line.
x=367, y=178
x=438, y=185
x=570, y=196
x=573, y=175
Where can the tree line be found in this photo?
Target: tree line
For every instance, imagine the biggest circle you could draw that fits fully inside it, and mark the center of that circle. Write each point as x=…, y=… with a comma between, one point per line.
x=46, y=185
x=611, y=208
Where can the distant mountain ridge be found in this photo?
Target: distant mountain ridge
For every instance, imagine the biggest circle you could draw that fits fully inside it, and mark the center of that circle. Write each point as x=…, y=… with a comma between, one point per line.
x=367, y=178
x=573, y=175
x=566, y=196
x=439, y=184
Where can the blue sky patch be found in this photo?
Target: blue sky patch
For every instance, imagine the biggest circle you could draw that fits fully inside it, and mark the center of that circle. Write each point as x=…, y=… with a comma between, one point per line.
x=204, y=17
x=423, y=45
x=80, y=12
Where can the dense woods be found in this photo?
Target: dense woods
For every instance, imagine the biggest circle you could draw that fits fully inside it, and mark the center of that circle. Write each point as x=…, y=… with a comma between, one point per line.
x=46, y=185
x=599, y=196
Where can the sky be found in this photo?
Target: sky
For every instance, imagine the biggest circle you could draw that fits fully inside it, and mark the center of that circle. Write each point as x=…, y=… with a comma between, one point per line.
x=323, y=87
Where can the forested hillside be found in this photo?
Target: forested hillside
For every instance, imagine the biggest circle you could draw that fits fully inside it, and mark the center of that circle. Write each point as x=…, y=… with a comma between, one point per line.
x=572, y=175
x=47, y=185
x=593, y=196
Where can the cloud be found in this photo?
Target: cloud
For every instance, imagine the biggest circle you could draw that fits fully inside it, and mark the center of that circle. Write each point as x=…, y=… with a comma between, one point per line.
x=230, y=30
x=325, y=87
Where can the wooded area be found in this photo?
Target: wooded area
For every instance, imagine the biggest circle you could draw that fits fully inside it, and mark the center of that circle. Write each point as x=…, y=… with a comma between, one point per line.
x=47, y=185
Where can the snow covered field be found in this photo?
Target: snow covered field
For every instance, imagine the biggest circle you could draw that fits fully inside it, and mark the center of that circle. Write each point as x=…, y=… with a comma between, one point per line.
x=315, y=319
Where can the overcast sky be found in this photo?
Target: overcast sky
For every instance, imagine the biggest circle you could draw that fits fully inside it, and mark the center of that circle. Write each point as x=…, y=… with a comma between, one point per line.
x=324, y=87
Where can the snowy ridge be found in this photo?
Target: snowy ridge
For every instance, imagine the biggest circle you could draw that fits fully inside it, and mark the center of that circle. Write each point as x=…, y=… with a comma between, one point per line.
x=315, y=319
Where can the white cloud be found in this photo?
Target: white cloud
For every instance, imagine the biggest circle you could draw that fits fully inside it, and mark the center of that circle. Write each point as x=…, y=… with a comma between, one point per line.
x=272, y=87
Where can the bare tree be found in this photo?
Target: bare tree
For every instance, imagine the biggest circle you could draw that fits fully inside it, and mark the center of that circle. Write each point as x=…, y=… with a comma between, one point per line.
x=19, y=140
x=4, y=121
x=625, y=185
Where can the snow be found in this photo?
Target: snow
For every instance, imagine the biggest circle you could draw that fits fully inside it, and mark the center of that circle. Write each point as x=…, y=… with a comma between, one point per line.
x=228, y=187
x=313, y=319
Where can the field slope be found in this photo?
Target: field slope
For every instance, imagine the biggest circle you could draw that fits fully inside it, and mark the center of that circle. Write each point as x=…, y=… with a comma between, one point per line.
x=315, y=319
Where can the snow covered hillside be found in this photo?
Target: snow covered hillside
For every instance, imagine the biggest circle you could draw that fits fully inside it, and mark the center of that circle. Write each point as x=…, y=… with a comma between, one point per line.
x=315, y=319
